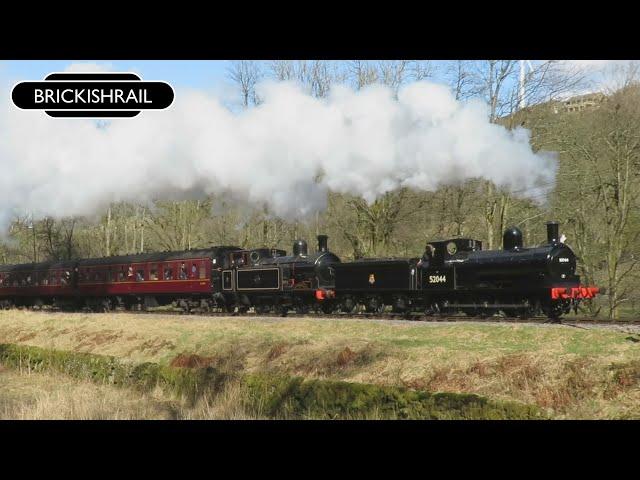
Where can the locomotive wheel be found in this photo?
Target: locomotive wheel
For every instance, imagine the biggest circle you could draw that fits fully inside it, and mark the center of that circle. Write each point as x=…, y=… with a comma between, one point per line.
x=106, y=306
x=348, y=305
x=327, y=307
x=375, y=305
x=261, y=309
x=400, y=305
x=240, y=310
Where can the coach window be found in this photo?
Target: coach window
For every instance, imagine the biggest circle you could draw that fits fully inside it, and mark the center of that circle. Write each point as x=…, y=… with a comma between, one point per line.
x=194, y=270
x=203, y=270
x=168, y=272
x=52, y=278
x=153, y=272
x=140, y=275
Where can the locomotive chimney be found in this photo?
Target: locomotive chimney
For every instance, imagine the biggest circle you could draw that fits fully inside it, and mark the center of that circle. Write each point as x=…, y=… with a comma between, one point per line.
x=322, y=243
x=552, y=232
x=299, y=248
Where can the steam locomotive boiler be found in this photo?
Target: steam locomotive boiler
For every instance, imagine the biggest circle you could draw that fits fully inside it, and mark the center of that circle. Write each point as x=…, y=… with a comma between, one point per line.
x=457, y=276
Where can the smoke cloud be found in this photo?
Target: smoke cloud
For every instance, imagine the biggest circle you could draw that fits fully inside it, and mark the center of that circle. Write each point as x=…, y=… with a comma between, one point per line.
x=286, y=153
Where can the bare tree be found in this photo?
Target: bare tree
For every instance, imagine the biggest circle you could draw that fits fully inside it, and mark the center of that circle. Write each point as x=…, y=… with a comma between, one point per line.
x=363, y=73
x=178, y=225
x=393, y=73
x=421, y=69
x=460, y=77
x=246, y=74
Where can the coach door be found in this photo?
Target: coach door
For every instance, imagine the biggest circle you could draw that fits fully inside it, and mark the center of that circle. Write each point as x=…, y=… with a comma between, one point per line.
x=227, y=280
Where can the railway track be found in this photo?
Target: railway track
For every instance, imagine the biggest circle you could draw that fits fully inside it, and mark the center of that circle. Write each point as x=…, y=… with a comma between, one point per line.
x=398, y=317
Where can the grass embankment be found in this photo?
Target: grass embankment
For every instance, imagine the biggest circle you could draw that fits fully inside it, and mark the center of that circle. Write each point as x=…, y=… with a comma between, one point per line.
x=566, y=372
x=257, y=395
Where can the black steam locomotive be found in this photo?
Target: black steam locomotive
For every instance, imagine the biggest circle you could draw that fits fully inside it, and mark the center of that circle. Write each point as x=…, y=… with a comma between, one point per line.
x=270, y=279
x=452, y=276
x=457, y=276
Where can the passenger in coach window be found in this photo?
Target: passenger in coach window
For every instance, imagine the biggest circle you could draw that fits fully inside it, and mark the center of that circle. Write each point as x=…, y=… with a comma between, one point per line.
x=167, y=274
x=130, y=273
x=183, y=272
x=193, y=270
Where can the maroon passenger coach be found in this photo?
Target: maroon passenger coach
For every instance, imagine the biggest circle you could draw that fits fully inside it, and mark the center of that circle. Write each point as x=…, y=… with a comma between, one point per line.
x=128, y=281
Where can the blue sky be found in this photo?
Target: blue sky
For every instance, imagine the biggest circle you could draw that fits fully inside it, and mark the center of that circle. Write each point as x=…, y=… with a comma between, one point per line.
x=201, y=74
x=205, y=75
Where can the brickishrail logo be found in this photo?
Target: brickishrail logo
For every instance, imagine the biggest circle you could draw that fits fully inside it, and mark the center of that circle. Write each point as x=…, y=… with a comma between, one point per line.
x=91, y=95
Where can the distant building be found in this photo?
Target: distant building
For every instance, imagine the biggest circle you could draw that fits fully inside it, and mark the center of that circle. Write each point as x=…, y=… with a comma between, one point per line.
x=581, y=102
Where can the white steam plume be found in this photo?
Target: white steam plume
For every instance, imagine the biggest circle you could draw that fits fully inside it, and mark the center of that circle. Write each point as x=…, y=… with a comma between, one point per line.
x=286, y=153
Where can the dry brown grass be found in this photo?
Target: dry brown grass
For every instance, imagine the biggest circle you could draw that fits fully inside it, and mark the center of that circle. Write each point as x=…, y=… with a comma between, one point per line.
x=53, y=396
x=565, y=370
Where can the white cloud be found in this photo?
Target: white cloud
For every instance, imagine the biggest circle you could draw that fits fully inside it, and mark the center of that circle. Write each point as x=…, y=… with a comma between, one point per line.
x=89, y=67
